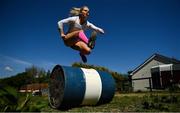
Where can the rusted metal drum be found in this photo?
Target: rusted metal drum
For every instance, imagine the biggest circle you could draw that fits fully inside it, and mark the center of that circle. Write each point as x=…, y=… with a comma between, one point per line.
x=72, y=86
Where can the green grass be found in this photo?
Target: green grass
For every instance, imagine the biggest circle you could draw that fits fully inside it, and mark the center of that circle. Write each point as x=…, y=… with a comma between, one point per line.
x=130, y=102
x=140, y=102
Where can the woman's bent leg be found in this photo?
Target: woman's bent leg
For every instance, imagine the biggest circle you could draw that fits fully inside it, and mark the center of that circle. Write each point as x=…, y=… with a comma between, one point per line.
x=79, y=33
x=83, y=48
x=73, y=34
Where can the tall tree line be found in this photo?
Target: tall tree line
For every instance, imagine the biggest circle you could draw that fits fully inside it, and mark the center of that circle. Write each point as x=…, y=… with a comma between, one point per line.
x=31, y=75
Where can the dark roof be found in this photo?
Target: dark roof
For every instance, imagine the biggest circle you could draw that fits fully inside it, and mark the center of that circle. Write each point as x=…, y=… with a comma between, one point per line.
x=34, y=86
x=157, y=57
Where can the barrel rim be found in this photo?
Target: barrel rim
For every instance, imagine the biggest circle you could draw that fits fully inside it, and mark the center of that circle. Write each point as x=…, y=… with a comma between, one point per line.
x=62, y=95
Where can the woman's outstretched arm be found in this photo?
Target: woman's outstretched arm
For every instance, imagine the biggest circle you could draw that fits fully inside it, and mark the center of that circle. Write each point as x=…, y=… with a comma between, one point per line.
x=92, y=26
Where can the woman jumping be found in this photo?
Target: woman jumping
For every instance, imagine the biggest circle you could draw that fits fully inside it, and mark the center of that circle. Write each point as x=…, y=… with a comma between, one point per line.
x=75, y=36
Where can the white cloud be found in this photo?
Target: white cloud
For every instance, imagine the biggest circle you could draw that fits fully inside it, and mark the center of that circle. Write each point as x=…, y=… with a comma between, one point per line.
x=8, y=68
x=11, y=66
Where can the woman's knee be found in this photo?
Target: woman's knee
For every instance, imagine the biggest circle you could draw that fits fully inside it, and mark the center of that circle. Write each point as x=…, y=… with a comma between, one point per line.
x=87, y=51
x=83, y=48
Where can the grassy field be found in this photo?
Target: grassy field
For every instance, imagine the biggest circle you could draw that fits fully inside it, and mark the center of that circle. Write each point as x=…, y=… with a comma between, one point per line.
x=129, y=102
x=134, y=102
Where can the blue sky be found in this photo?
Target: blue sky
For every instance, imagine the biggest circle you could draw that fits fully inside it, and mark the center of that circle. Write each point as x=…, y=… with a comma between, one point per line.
x=134, y=30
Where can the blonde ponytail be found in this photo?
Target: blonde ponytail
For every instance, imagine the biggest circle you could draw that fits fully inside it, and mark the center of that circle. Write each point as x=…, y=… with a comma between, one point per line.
x=74, y=11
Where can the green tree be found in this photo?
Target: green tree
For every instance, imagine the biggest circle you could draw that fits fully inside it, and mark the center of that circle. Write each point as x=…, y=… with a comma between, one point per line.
x=36, y=75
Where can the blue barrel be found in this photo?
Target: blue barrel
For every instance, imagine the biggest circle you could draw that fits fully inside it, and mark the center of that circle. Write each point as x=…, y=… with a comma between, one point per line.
x=72, y=86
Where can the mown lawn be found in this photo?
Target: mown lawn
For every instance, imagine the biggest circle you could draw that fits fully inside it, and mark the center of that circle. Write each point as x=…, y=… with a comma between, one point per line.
x=130, y=102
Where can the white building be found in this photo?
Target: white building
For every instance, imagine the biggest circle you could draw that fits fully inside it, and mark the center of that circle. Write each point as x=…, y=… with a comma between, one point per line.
x=141, y=76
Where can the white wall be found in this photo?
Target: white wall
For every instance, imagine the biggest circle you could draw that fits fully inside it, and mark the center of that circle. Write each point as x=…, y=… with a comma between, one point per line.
x=144, y=72
x=141, y=85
